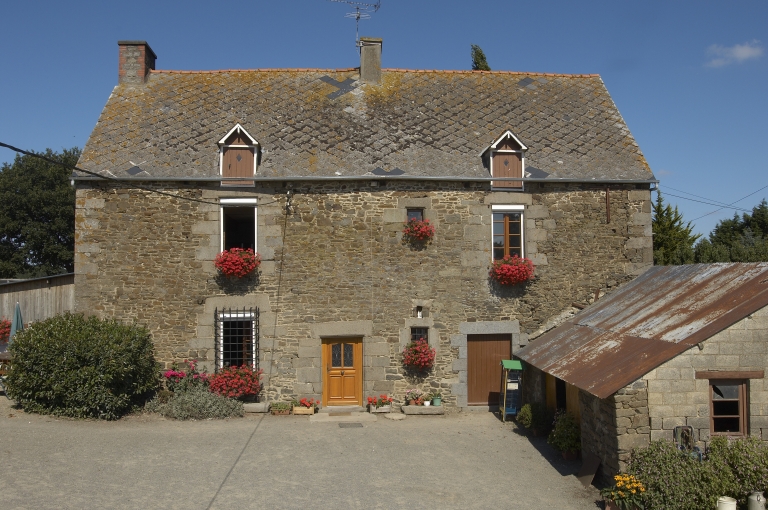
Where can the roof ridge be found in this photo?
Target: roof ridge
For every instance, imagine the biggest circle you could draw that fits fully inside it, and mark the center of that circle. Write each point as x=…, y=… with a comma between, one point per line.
x=393, y=70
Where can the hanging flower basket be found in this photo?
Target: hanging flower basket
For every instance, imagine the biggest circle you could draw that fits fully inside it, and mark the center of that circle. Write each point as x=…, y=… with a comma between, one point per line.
x=237, y=262
x=418, y=356
x=418, y=231
x=512, y=270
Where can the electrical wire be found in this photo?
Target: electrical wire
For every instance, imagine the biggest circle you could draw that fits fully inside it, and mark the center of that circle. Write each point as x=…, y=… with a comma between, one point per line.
x=115, y=179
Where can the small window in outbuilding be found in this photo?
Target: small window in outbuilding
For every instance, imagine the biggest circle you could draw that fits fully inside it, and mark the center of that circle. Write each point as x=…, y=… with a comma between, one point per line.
x=728, y=406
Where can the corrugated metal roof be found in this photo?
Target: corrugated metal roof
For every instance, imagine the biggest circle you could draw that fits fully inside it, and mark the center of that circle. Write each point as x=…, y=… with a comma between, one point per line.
x=660, y=314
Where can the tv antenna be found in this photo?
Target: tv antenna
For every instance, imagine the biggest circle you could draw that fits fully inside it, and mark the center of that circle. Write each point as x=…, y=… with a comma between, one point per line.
x=362, y=11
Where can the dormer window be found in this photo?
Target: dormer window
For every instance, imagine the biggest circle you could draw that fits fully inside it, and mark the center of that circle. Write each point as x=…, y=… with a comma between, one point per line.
x=507, y=159
x=238, y=157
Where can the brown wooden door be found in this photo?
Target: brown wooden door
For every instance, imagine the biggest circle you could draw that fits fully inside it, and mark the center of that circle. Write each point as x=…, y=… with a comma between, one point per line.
x=238, y=162
x=342, y=371
x=484, y=355
x=507, y=164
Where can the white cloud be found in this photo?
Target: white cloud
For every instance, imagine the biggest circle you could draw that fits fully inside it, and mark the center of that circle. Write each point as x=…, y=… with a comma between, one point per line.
x=736, y=54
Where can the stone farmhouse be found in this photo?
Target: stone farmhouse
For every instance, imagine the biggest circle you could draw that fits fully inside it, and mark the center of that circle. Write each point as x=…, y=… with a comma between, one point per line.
x=679, y=347
x=318, y=170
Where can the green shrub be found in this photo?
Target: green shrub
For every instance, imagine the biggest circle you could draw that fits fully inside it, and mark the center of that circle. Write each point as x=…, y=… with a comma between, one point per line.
x=566, y=434
x=525, y=416
x=675, y=479
x=742, y=464
x=197, y=403
x=81, y=367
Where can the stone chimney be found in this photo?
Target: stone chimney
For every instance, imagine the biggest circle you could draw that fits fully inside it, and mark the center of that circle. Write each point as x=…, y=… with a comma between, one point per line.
x=370, y=59
x=135, y=62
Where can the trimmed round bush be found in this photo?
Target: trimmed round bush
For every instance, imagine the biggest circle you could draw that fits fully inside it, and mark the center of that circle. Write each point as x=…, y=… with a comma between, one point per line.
x=81, y=367
x=196, y=403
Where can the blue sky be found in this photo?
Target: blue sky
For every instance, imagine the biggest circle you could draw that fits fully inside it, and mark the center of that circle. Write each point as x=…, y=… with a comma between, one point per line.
x=690, y=78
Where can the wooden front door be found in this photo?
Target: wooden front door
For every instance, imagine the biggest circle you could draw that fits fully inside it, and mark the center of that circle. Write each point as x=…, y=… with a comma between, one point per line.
x=342, y=371
x=484, y=355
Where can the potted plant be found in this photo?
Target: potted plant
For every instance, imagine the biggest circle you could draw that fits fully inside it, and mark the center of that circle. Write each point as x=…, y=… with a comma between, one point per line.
x=418, y=231
x=237, y=262
x=566, y=435
x=280, y=408
x=418, y=356
x=437, y=398
x=536, y=418
x=305, y=406
x=380, y=404
x=414, y=397
x=512, y=270
x=625, y=494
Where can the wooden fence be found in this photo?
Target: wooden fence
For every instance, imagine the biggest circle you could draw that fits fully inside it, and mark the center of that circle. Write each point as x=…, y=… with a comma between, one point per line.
x=39, y=298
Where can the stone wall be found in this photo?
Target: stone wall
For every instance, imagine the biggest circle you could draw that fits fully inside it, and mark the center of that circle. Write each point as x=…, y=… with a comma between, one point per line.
x=613, y=426
x=677, y=397
x=335, y=263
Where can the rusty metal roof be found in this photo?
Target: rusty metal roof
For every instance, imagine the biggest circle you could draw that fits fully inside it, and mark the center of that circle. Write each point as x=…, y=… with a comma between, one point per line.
x=663, y=312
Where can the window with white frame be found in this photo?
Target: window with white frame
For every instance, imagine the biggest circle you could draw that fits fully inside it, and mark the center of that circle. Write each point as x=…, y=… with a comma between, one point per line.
x=507, y=231
x=238, y=223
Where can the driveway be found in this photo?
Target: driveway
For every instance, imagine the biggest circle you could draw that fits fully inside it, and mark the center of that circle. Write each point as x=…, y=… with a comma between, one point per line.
x=462, y=460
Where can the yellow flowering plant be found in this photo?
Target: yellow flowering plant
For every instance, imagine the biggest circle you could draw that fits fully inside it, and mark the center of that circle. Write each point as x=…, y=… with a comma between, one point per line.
x=626, y=493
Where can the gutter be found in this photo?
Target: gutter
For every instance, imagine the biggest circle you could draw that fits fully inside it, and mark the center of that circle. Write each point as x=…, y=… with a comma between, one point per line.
x=332, y=178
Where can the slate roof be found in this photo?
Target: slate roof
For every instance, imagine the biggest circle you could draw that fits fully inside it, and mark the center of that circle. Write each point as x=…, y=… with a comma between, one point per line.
x=324, y=123
x=660, y=314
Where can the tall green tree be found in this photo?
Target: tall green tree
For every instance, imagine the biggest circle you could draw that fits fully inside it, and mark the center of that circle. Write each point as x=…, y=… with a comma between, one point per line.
x=479, y=63
x=37, y=216
x=737, y=239
x=672, y=237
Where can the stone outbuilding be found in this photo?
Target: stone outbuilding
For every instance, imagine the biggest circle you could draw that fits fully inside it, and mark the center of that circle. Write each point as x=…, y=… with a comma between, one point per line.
x=318, y=170
x=677, y=346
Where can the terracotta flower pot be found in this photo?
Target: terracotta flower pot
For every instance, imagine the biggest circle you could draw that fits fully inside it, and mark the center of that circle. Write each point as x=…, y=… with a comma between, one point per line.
x=570, y=455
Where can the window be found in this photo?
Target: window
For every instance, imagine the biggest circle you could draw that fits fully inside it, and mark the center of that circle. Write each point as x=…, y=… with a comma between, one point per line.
x=415, y=214
x=237, y=333
x=507, y=231
x=507, y=159
x=728, y=406
x=238, y=156
x=238, y=223
x=418, y=333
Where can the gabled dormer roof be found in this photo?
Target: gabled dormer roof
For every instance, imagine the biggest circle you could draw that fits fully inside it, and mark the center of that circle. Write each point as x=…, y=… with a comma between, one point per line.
x=508, y=135
x=238, y=129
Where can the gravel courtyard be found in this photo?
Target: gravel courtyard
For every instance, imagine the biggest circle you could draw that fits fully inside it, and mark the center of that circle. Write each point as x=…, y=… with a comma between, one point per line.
x=462, y=460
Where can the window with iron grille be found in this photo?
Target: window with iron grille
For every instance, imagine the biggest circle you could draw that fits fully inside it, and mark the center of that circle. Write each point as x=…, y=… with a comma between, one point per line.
x=418, y=333
x=237, y=337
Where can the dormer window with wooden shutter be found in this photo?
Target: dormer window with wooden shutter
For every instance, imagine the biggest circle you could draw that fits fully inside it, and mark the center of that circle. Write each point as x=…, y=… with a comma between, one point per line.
x=238, y=157
x=507, y=159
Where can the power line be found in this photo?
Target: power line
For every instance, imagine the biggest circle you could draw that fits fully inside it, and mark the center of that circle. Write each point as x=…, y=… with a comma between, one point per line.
x=113, y=179
x=739, y=200
x=707, y=203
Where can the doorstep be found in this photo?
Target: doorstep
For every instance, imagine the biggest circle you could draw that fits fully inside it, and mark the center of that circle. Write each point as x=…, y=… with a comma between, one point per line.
x=422, y=410
x=339, y=417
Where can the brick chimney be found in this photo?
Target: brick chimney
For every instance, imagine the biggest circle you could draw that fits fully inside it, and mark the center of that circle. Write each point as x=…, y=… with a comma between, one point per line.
x=370, y=59
x=135, y=62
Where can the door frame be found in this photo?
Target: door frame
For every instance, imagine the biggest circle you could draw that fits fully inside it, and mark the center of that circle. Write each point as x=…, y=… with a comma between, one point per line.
x=357, y=342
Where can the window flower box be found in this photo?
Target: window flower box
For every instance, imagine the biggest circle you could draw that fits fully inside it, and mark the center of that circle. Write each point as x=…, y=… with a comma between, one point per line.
x=418, y=231
x=512, y=270
x=237, y=262
x=419, y=356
